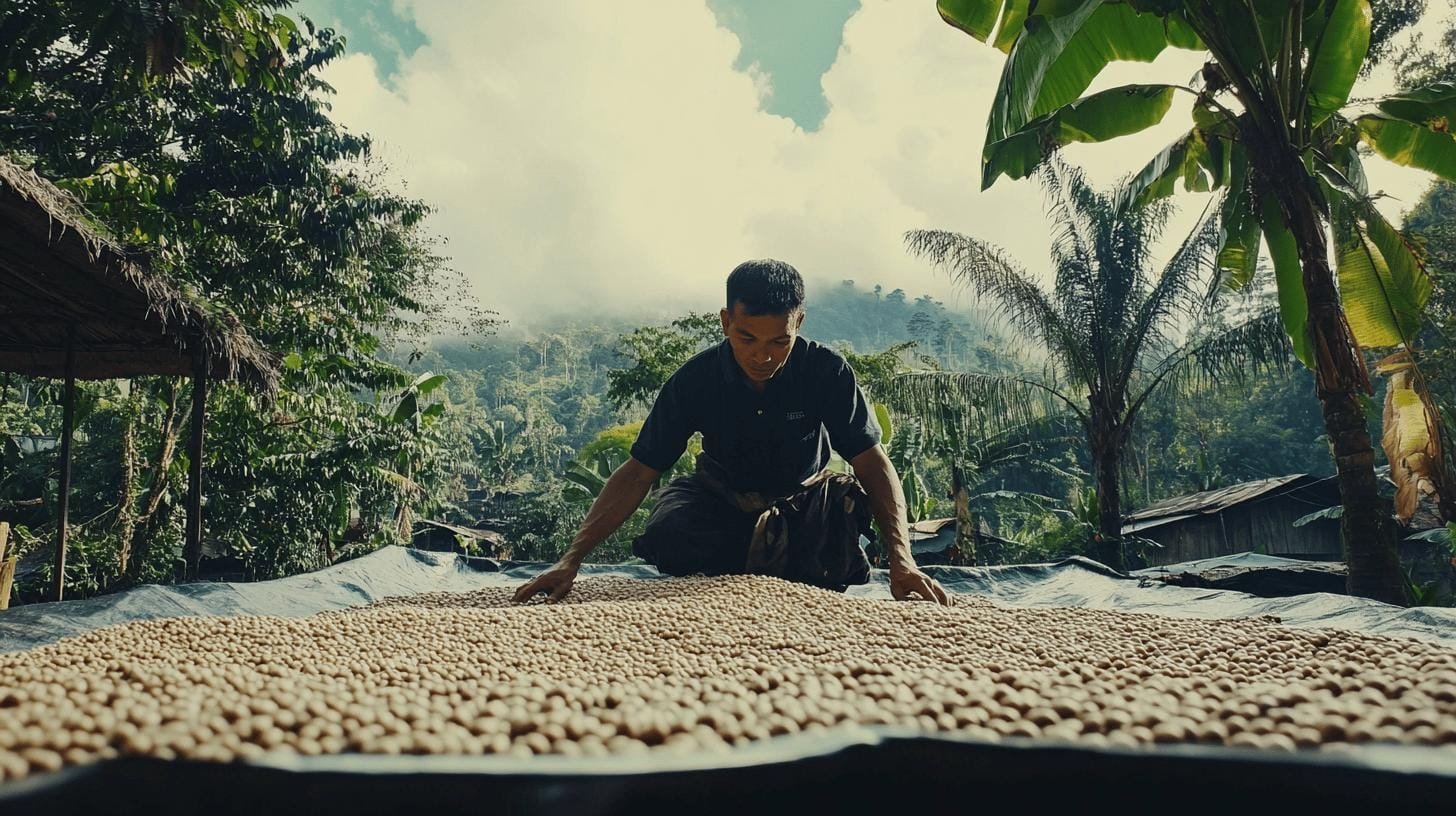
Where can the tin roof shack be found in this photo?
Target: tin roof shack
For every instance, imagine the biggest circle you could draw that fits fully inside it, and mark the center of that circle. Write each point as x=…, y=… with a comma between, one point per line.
x=437, y=536
x=933, y=541
x=1250, y=517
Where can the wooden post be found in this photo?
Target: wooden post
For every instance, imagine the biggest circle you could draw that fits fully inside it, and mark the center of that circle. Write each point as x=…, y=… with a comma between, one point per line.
x=68, y=421
x=192, y=549
x=7, y=567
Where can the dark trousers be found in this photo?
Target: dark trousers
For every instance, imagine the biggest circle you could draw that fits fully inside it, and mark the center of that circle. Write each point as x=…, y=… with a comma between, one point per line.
x=699, y=526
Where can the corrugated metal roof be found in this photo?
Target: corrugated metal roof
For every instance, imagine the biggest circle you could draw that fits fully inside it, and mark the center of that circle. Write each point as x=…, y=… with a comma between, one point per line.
x=936, y=535
x=933, y=544
x=1212, y=501
x=1148, y=524
x=931, y=535
x=929, y=527
x=468, y=532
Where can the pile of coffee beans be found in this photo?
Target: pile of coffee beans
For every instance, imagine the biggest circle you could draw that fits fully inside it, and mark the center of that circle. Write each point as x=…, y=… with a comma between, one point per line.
x=702, y=664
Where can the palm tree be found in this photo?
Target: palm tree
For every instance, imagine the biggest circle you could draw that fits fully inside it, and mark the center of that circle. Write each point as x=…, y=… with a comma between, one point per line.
x=1110, y=329
x=1270, y=128
x=976, y=464
x=917, y=430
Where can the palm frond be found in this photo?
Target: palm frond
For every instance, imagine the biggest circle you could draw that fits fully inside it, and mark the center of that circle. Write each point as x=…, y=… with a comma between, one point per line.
x=1179, y=291
x=986, y=271
x=975, y=406
x=1067, y=195
x=1073, y=257
x=401, y=481
x=1102, y=264
x=1258, y=344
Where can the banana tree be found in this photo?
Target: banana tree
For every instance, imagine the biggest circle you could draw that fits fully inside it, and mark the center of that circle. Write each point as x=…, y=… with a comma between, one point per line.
x=904, y=443
x=1272, y=131
x=587, y=479
x=975, y=464
x=414, y=413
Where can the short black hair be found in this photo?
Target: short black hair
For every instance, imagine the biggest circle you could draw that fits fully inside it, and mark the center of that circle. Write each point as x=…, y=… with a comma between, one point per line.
x=766, y=287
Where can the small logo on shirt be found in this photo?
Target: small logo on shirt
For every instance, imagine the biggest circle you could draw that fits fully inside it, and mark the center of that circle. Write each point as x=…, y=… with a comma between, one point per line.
x=792, y=415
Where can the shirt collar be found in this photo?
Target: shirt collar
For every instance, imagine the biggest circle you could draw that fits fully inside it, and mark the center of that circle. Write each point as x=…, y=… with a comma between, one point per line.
x=729, y=366
x=726, y=363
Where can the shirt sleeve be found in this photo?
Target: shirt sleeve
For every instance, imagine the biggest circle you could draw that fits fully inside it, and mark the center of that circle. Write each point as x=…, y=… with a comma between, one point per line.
x=664, y=435
x=846, y=413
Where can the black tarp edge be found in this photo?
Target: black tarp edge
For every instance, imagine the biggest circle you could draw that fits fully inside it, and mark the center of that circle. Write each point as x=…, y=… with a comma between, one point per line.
x=847, y=769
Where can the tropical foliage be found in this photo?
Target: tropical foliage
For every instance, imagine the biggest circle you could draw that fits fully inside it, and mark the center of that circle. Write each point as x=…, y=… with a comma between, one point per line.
x=1111, y=328
x=1272, y=131
x=656, y=352
x=199, y=134
x=1432, y=223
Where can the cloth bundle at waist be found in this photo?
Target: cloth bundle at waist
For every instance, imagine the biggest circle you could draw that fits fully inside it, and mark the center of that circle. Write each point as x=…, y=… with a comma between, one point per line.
x=701, y=525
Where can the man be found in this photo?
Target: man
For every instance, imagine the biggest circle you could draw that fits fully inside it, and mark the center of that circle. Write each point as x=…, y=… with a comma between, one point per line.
x=770, y=405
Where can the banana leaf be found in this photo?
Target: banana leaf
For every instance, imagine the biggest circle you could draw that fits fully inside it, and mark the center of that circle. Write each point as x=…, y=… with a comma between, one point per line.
x=1410, y=145
x=1055, y=58
x=1238, y=250
x=1342, y=44
x=1096, y=118
x=1410, y=441
x=1293, y=306
x=1432, y=107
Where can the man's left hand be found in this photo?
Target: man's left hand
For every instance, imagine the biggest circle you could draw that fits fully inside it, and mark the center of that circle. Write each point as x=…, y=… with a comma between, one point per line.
x=907, y=582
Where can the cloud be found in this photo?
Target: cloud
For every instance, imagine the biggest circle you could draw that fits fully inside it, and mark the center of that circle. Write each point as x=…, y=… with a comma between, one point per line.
x=609, y=157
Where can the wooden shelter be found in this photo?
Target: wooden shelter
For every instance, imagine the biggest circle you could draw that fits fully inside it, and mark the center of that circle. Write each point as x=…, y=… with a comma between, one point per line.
x=75, y=305
x=1253, y=516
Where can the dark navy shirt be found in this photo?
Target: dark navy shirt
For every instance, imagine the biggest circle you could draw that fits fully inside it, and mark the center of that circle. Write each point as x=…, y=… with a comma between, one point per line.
x=769, y=442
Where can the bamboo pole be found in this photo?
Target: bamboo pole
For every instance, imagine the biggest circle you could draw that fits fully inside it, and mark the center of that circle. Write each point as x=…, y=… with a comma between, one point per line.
x=68, y=421
x=192, y=549
x=7, y=566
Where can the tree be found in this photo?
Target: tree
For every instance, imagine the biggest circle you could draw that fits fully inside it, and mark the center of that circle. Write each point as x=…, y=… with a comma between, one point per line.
x=1285, y=155
x=874, y=372
x=121, y=45
x=199, y=134
x=1223, y=434
x=1109, y=328
x=948, y=338
x=921, y=326
x=1432, y=222
x=978, y=466
x=656, y=352
x=1420, y=64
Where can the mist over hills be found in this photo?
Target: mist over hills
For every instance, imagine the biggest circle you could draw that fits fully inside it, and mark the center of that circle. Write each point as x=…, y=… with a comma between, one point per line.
x=864, y=315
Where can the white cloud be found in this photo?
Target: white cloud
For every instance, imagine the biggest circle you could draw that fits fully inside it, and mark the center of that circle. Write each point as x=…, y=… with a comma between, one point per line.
x=589, y=155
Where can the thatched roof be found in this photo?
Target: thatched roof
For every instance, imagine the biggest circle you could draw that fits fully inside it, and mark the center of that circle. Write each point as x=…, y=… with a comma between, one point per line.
x=57, y=271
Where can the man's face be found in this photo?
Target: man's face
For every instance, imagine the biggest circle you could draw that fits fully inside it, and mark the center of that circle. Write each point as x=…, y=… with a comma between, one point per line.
x=760, y=343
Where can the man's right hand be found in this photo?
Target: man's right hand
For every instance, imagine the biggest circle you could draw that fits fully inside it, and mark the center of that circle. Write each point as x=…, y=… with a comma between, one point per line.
x=620, y=497
x=556, y=580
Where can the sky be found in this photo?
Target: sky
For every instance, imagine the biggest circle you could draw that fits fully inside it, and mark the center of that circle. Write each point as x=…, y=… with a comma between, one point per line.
x=623, y=157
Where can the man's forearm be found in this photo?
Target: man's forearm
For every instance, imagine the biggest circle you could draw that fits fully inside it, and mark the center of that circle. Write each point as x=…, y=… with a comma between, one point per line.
x=620, y=497
x=887, y=504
